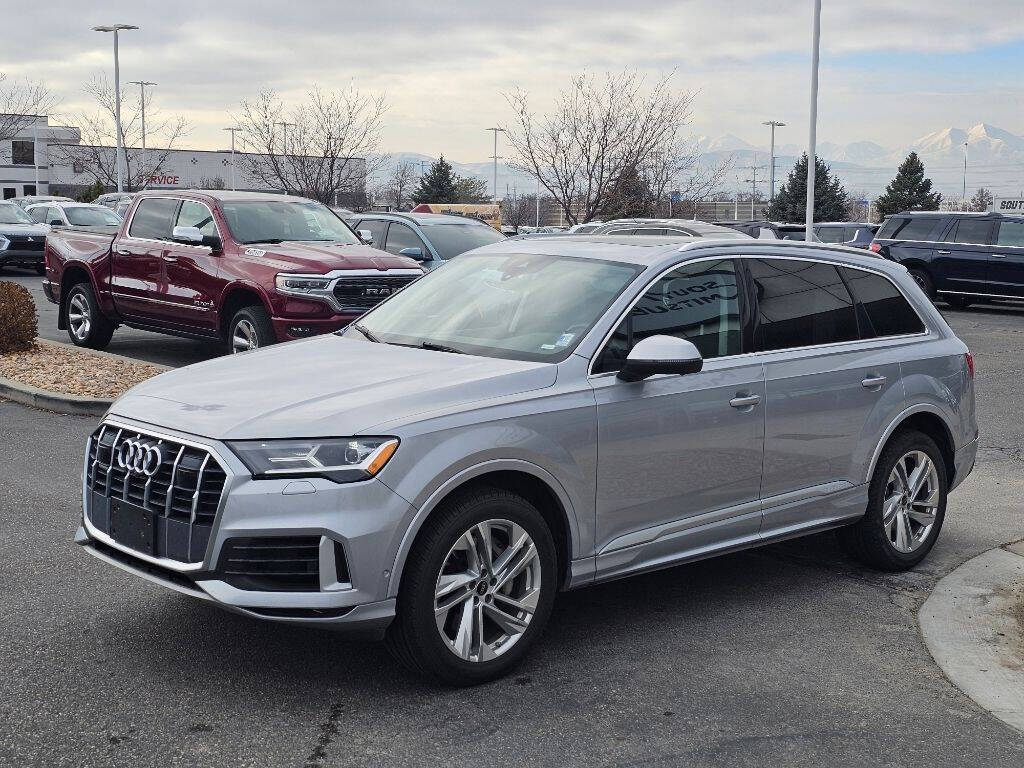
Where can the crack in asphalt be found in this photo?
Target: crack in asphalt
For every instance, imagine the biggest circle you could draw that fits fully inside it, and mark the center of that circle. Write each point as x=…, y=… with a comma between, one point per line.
x=328, y=730
x=1010, y=452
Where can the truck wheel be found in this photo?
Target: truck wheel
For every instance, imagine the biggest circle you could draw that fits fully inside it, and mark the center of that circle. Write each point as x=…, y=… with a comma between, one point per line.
x=87, y=325
x=906, y=505
x=250, y=329
x=477, y=589
x=923, y=279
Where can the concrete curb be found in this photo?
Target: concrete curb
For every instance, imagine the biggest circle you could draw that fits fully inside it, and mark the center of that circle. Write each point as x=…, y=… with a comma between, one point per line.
x=74, y=405
x=969, y=626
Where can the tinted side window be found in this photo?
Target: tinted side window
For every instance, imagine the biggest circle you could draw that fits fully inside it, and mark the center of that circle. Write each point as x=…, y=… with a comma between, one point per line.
x=972, y=232
x=697, y=302
x=886, y=311
x=800, y=304
x=918, y=228
x=377, y=229
x=890, y=226
x=400, y=236
x=1011, y=233
x=831, y=234
x=153, y=218
x=193, y=214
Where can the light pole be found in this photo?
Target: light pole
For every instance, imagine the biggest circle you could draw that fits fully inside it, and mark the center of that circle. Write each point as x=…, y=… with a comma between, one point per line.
x=35, y=153
x=496, y=131
x=233, y=132
x=119, y=158
x=812, y=158
x=963, y=200
x=142, y=105
x=771, y=173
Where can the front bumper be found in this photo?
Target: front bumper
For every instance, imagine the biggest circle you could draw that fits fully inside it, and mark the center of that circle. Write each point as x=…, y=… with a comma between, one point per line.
x=363, y=520
x=20, y=257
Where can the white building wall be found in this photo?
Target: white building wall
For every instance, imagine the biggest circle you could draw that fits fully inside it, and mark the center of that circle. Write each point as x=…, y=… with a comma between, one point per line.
x=18, y=180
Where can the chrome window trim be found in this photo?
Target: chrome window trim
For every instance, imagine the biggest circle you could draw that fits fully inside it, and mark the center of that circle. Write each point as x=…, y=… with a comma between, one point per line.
x=986, y=295
x=719, y=257
x=129, y=236
x=163, y=562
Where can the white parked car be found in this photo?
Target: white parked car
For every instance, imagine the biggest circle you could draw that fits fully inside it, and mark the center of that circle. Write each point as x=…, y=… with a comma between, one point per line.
x=61, y=214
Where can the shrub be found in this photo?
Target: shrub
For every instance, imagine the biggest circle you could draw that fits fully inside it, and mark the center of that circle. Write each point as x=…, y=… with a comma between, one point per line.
x=17, y=318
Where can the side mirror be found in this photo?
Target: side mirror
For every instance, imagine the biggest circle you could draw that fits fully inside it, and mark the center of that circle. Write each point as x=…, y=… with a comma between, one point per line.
x=55, y=223
x=413, y=253
x=661, y=354
x=366, y=236
x=188, y=235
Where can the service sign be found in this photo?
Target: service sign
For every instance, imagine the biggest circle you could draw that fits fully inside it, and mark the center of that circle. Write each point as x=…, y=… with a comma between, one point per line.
x=1008, y=205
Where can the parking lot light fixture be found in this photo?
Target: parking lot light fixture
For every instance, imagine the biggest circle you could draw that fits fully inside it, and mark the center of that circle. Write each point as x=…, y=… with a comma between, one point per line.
x=771, y=172
x=233, y=130
x=496, y=131
x=119, y=157
x=142, y=106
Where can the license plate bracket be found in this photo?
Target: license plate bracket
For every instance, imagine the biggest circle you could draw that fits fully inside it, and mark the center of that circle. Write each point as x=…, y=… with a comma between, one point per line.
x=133, y=526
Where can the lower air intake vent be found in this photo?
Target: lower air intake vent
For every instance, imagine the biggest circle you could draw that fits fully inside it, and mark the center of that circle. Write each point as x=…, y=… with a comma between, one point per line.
x=272, y=563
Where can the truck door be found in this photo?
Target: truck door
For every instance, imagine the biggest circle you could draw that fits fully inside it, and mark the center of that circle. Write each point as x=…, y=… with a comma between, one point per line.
x=137, y=278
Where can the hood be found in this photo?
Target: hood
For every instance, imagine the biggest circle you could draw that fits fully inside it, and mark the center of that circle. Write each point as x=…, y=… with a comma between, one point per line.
x=31, y=230
x=324, y=257
x=326, y=386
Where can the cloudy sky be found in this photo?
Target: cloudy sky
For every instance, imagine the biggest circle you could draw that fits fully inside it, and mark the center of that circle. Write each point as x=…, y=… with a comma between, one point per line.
x=890, y=71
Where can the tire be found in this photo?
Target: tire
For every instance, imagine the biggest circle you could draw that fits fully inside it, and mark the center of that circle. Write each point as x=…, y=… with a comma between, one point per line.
x=876, y=543
x=250, y=329
x=427, y=648
x=924, y=280
x=958, y=302
x=87, y=325
x=40, y=269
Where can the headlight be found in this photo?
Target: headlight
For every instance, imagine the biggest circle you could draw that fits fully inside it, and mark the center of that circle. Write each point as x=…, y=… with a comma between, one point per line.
x=341, y=459
x=4, y=242
x=301, y=284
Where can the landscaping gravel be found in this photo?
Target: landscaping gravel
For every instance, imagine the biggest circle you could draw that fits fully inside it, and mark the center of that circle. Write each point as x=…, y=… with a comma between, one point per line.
x=72, y=371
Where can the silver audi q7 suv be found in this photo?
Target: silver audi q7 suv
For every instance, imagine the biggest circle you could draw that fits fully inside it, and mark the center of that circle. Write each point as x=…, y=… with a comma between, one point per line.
x=536, y=416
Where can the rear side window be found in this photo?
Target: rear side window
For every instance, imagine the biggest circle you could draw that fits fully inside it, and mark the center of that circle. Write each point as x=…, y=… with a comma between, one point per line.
x=911, y=228
x=153, y=218
x=884, y=310
x=1011, y=233
x=831, y=234
x=800, y=304
x=972, y=232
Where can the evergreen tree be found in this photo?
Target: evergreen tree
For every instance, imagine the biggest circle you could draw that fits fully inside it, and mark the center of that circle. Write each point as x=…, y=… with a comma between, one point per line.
x=830, y=199
x=437, y=185
x=630, y=197
x=470, y=190
x=90, y=193
x=909, y=190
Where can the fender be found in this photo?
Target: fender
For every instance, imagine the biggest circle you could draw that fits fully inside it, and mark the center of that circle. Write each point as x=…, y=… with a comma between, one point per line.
x=102, y=296
x=900, y=418
x=242, y=285
x=432, y=501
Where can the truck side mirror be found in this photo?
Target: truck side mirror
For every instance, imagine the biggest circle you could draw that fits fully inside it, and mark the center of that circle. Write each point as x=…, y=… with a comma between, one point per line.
x=187, y=235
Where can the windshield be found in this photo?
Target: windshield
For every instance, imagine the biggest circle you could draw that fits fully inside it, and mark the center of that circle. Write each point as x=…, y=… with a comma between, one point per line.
x=274, y=221
x=92, y=217
x=513, y=306
x=452, y=239
x=12, y=214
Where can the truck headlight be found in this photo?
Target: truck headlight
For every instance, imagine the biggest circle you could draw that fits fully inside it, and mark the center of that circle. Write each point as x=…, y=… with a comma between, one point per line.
x=341, y=459
x=301, y=284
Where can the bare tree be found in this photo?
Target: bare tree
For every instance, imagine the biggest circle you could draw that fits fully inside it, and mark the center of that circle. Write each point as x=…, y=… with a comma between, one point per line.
x=323, y=147
x=96, y=155
x=399, y=184
x=20, y=102
x=212, y=182
x=518, y=211
x=602, y=133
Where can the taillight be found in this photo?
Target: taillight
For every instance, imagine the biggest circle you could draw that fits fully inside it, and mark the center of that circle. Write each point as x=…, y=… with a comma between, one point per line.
x=969, y=359
x=875, y=248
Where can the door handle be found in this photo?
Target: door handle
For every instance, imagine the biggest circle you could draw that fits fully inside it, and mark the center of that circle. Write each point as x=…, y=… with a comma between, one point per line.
x=998, y=255
x=745, y=401
x=943, y=253
x=170, y=258
x=123, y=252
x=873, y=382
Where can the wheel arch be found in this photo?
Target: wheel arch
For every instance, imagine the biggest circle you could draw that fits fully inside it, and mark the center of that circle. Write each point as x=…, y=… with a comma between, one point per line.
x=517, y=476
x=236, y=296
x=71, y=275
x=929, y=421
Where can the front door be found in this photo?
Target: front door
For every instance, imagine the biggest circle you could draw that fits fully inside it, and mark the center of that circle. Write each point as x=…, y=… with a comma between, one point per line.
x=137, y=279
x=679, y=457
x=1006, y=265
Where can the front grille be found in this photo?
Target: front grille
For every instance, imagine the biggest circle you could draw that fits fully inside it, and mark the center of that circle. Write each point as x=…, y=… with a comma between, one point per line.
x=367, y=292
x=272, y=563
x=23, y=243
x=183, y=493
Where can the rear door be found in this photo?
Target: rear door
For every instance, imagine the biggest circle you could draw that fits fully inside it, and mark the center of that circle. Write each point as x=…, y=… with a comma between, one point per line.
x=138, y=281
x=1006, y=265
x=962, y=258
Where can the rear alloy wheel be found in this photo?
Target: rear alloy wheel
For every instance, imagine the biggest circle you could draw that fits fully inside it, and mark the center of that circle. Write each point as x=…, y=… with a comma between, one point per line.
x=906, y=505
x=250, y=329
x=87, y=325
x=477, y=588
x=924, y=281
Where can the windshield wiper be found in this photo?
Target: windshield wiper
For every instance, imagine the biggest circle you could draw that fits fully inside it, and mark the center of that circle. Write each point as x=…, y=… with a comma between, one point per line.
x=268, y=241
x=440, y=348
x=369, y=336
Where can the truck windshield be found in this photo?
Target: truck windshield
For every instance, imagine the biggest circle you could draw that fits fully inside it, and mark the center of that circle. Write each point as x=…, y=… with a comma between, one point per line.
x=514, y=306
x=12, y=214
x=275, y=221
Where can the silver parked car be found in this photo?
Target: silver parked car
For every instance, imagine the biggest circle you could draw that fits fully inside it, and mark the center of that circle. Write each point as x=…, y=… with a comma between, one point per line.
x=541, y=415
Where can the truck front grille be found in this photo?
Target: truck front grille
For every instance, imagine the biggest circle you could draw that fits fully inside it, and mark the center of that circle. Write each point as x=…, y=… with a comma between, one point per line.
x=181, y=485
x=366, y=292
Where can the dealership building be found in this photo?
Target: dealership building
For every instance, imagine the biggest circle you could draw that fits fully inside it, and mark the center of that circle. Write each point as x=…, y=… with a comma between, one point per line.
x=45, y=159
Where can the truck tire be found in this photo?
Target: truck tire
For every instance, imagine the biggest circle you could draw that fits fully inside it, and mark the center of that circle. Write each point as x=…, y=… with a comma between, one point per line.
x=250, y=329
x=485, y=564
x=87, y=325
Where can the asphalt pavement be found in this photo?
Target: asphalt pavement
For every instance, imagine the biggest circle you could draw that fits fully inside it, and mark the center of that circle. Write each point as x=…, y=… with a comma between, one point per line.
x=788, y=655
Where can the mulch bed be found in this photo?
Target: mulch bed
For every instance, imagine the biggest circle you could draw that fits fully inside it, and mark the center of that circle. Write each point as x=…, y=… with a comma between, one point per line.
x=70, y=371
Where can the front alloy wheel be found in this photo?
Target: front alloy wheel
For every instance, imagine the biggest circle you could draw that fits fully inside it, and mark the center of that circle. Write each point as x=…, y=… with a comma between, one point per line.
x=244, y=338
x=79, y=317
x=487, y=591
x=911, y=502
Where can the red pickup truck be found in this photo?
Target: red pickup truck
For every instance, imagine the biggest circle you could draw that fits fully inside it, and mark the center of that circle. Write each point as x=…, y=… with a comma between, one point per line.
x=247, y=268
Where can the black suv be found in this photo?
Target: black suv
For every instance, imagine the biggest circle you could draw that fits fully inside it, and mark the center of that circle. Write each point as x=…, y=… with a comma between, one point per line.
x=958, y=257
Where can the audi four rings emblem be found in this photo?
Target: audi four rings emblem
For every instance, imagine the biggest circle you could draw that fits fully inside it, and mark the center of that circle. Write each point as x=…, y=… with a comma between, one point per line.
x=140, y=457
